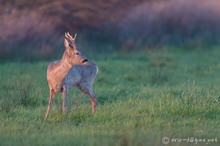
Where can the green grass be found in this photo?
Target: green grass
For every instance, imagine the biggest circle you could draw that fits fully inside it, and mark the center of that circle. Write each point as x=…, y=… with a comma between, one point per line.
x=142, y=97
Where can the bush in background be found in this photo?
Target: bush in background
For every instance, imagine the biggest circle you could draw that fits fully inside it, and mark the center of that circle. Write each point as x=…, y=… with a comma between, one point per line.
x=172, y=22
x=32, y=30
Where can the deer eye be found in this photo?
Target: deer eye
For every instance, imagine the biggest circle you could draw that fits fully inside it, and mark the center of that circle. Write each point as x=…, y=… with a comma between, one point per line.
x=77, y=53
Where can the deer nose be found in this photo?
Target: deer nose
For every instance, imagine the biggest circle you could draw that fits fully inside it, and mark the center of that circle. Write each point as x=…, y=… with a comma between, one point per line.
x=85, y=60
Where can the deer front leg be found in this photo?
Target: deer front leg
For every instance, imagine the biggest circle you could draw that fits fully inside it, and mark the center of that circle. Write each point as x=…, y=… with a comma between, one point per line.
x=64, y=94
x=50, y=103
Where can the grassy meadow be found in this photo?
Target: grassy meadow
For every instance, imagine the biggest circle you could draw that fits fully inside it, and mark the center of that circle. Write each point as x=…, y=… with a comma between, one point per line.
x=142, y=97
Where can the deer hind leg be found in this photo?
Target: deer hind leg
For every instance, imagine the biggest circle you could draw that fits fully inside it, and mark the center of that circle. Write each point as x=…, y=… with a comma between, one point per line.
x=64, y=94
x=93, y=100
x=91, y=94
x=50, y=102
x=92, y=97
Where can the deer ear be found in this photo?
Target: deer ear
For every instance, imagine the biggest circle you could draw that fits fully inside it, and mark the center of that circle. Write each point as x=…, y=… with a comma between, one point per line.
x=66, y=43
x=67, y=46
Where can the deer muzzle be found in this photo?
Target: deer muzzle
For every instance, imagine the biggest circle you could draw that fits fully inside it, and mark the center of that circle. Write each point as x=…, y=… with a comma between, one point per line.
x=85, y=60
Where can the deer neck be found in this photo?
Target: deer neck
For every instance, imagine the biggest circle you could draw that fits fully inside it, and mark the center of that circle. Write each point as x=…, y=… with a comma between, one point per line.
x=65, y=65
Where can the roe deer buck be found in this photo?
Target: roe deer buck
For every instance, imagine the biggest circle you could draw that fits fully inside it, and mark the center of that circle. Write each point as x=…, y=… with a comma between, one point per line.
x=72, y=70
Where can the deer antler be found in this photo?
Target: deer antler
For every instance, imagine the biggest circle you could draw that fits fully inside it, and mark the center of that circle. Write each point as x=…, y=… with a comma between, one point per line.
x=71, y=39
x=75, y=36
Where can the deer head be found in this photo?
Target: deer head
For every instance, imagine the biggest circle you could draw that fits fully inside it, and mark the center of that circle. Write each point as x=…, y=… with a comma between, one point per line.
x=72, y=54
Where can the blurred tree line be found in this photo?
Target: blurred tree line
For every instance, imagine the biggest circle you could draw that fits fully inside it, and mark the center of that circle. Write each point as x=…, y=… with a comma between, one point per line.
x=33, y=29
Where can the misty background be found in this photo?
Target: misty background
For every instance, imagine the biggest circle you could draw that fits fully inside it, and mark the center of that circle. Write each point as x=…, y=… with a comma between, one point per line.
x=34, y=29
